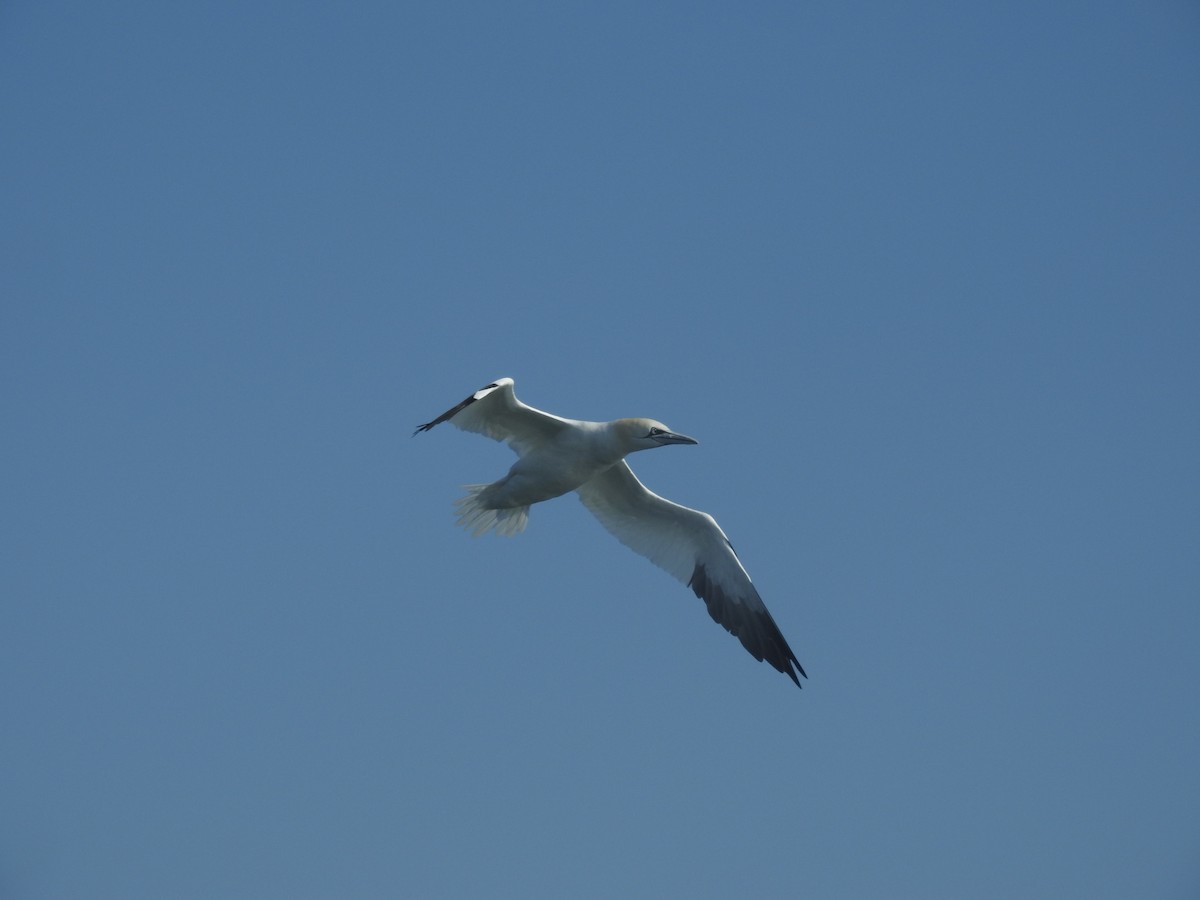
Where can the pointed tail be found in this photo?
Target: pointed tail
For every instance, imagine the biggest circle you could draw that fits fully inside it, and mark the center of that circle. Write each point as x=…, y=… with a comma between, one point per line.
x=475, y=516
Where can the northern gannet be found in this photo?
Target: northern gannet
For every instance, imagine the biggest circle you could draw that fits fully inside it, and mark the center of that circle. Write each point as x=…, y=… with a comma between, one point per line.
x=558, y=455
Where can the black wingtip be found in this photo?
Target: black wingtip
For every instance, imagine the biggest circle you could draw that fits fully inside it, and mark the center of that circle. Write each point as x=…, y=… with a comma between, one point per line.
x=452, y=412
x=792, y=674
x=785, y=666
x=758, y=633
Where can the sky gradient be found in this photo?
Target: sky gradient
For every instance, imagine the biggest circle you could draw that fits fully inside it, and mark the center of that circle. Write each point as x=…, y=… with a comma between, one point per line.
x=921, y=281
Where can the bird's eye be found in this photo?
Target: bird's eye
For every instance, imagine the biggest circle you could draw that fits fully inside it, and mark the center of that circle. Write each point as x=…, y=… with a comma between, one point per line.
x=654, y=431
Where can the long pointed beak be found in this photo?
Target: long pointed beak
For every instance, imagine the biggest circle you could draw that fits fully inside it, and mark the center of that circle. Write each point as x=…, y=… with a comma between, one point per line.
x=670, y=437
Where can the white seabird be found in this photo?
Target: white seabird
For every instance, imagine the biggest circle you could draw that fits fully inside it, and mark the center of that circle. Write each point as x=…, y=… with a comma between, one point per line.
x=558, y=455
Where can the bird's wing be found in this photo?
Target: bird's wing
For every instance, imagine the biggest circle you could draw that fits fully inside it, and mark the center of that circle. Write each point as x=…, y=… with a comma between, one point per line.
x=495, y=411
x=691, y=546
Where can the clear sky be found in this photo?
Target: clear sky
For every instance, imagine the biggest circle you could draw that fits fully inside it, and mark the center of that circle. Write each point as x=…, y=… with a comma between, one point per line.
x=921, y=278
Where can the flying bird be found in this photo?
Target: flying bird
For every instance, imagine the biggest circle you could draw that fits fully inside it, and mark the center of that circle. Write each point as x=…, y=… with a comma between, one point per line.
x=559, y=455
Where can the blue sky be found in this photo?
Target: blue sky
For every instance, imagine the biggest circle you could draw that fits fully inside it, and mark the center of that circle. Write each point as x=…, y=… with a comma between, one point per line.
x=921, y=279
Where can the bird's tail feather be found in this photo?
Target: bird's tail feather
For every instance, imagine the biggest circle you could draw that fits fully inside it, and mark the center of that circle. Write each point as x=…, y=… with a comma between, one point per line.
x=477, y=518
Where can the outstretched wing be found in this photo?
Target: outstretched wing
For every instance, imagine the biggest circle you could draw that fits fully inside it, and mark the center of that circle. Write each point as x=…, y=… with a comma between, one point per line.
x=691, y=546
x=495, y=411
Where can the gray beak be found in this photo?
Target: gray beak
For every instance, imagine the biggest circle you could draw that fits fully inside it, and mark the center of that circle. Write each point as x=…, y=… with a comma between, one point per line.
x=670, y=437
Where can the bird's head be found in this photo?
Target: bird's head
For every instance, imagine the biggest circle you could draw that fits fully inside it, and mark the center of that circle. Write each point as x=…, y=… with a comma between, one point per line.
x=646, y=434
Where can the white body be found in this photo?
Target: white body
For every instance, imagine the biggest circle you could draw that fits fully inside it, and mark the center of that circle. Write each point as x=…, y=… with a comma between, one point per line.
x=557, y=456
